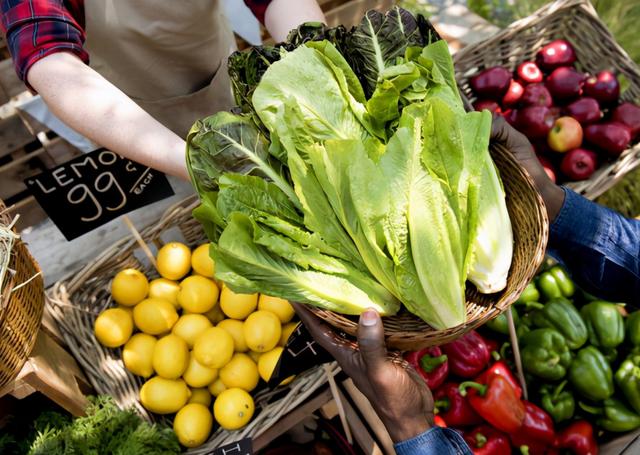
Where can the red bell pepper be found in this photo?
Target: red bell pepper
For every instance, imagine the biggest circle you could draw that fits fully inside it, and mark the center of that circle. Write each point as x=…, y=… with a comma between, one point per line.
x=578, y=438
x=500, y=368
x=439, y=422
x=496, y=402
x=485, y=440
x=468, y=355
x=536, y=433
x=493, y=346
x=430, y=364
x=454, y=408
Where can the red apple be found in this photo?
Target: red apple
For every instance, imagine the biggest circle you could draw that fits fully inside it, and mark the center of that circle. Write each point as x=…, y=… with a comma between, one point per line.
x=612, y=137
x=628, y=114
x=488, y=105
x=555, y=54
x=565, y=135
x=511, y=116
x=491, y=83
x=529, y=72
x=536, y=95
x=585, y=110
x=565, y=83
x=604, y=87
x=548, y=168
x=535, y=121
x=513, y=95
x=579, y=164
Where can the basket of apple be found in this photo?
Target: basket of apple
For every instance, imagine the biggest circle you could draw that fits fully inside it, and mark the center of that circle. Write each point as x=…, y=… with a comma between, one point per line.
x=560, y=79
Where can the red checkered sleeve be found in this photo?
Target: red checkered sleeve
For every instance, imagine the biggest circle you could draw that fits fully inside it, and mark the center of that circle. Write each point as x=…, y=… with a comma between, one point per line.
x=34, y=29
x=258, y=8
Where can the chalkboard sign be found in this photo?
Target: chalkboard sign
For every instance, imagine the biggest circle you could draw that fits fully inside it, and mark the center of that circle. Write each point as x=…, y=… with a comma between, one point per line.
x=92, y=189
x=242, y=447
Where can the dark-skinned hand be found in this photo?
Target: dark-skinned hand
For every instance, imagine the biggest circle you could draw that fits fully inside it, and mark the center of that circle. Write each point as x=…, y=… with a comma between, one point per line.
x=397, y=393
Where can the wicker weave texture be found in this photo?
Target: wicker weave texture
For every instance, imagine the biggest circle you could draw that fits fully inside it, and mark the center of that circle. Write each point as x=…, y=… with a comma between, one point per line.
x=76, y=302
x=20, y=308
x=577, y=22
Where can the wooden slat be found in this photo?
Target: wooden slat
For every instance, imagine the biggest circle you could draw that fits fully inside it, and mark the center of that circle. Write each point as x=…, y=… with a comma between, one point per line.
x=13, y=135
x=9, y=81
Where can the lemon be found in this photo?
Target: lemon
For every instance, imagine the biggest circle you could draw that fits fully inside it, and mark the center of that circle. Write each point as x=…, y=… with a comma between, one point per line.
x=164, y=396
x=268, y=362
x=287, y=330
x=128, y=309
x=137, y=354
x=161, y=288
x=240, y=372
x=201, y=261
x=202, y=396
x=154, y=316
x=233, y=409
x=174, y=260
x=280, y=307
x=255, y=356
x=234, y=328
x=237, y=306
x=213, y=348
x=113, y=327
x=215, y=314
x=262, y=331
x=192, y=424
x=170, y=357
x=129, y=287
x=197, y=375
x=216, y=387
x=189, y=326
x=197, y=294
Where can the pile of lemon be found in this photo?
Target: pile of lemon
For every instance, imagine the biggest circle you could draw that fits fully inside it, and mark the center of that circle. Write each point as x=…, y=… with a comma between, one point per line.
x=195, y=339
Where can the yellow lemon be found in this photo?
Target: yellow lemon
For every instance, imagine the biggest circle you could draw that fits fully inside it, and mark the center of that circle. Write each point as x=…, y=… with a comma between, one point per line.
x=189, y=326
x=267, y=364
x=234, y=328
x=262, y=331
x=137, y=354
x=161, y=288
x=287, y=330
x=170, y=357
x=174, y=260
x=154, y=316
x=164, y=396
x=237, y=306
x=241, y=372
x=216, y=387
x=213, y=348
x=255, y=356
x=233, y=409
x=113, y=327
x=129, y=287
x=201, y=261
x=280, y=307
x=215, y=314
x=197, y=294
x=197, y=375
x=128, y=309
x=192, y=424
x=202, y=396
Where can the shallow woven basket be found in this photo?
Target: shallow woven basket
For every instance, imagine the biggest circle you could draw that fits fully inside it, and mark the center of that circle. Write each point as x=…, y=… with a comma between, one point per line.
x=76, y=302
x=530, y=232
x=577, y=22
x=20, y=308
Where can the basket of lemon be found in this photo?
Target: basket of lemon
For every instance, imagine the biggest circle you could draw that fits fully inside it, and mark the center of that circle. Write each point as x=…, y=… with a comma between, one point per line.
x=163, y=336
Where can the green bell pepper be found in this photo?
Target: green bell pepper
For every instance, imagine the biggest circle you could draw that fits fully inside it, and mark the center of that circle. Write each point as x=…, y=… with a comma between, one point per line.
x=564, y=282
x=614, y=416
x=610, y=354
x=628, y=380
x=632, y=326
x=604, y=323
x=559, y=403
x=545, y=354
x=530, y=294
x=500, y=323
x=560, y=314
x=548, y=286
x=590, y=374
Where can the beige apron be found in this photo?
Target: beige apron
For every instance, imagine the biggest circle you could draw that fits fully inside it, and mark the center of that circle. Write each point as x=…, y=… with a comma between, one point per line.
x=168, y=56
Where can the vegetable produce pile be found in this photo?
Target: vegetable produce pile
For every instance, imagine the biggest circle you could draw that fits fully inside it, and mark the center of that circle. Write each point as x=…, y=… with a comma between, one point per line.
x=353, y=178
x=581, y=358
x=575, y=120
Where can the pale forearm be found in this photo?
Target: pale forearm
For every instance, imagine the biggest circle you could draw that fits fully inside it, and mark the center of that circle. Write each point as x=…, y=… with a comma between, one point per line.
x=94, y=107
x=284, y=15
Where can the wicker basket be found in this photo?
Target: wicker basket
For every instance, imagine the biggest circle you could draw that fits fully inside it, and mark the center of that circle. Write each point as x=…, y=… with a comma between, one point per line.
x=530, y=231
x=77, y=301
x=20, y=308
x=577, y=22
